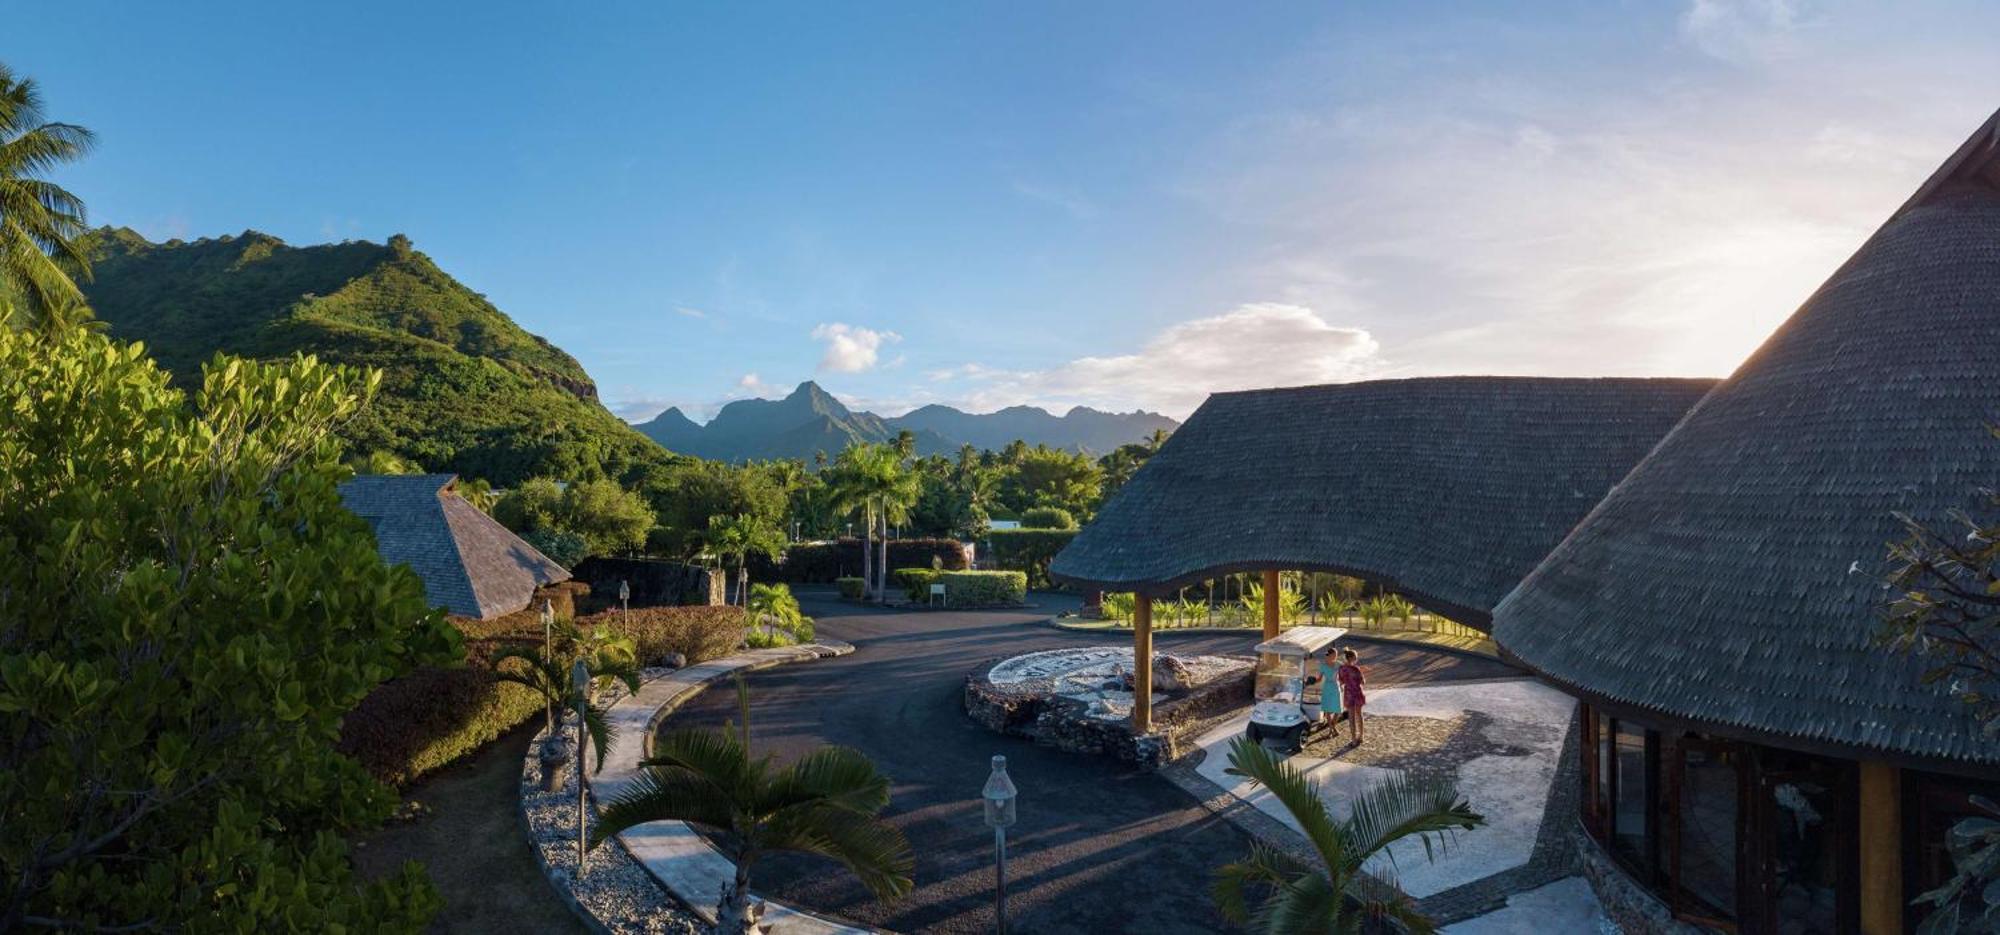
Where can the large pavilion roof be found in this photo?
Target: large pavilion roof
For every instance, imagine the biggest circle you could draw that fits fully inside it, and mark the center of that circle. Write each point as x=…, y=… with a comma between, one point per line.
x=1733, y=580
x=470, y=564
x=1445, y=489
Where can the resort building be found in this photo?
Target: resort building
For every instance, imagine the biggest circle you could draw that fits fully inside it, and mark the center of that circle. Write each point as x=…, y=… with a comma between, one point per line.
x=1700, y=564
x=1751, y=755
x=470, y=564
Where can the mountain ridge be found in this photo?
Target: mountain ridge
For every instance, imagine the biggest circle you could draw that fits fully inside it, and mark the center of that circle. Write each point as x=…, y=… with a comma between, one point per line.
x=810, y=420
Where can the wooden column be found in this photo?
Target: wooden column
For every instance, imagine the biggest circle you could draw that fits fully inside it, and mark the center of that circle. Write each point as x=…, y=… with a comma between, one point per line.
x=1881, y=844
x=1271, y=587
x=1142, y=663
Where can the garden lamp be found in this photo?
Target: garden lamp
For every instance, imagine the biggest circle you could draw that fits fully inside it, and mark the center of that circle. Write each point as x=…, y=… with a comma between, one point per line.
x=579, y=680
x=999, y=795
x=548, y=628
x=625, y=600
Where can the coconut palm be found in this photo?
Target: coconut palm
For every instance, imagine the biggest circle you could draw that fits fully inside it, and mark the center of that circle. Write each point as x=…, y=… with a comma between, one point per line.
x=737, y=538
x=827, y=802
x=42, y=226
x=548, y=676
x=874, y=479
x=1298, y=897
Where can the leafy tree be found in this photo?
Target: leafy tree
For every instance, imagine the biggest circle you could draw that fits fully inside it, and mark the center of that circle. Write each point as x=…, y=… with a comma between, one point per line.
x=824, y=803
x=563, y=547
x=1946, y=606
x=531, y=507
x=736, y=538
x=186, y=616
x=383, y=462
x=42, y=228
x=1297, y=897
x=875, y=477
x=1044, y=476
x=1047, y=517
x=686, y=495
x=607, y=516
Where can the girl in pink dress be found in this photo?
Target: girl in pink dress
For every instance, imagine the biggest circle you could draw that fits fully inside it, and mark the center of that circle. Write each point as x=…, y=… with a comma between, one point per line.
x=1351, y=695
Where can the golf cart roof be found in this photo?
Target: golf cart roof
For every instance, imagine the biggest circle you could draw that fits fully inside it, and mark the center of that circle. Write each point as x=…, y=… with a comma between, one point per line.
x=1302, y=641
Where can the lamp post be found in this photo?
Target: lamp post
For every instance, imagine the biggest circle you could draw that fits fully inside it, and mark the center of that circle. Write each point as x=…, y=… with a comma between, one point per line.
x=549, y=651
x=625, y=603
x=579, y=679
x=999, y=795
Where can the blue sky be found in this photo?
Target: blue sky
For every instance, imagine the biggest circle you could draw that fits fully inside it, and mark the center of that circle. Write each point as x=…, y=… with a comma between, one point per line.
x=1117, y=205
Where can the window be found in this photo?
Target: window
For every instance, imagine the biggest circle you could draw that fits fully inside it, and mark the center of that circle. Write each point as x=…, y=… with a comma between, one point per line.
x=1932, y=804
x=1706, y=828
x=1632, y=807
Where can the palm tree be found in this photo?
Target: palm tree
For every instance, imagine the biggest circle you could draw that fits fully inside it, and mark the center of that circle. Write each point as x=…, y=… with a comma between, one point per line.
x=736, y=537
x=828, y=802
x=1299, y=897
x=41, y=225
x=877, y=477
x=548, y=676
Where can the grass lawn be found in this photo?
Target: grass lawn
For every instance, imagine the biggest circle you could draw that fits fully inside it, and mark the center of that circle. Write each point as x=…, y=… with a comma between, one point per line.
x=472, y=843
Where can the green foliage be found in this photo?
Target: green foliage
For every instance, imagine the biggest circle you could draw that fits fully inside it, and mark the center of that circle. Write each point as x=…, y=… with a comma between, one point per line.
x=532, y=505
x=603, y=516
x=779, y=621
x=1047, y=517
x=733, y=539
x=1292, y=895
x=1051, y=477
x=980, y=588
x=43, y=244
x=413, y=725
x=186, y=616
x=685, y=495
x=827, y=802
x=548, y=675
x=1117, y=605
x=564, y=547
x=464, y=389
x=700, y=633
x=1291, y=604
x=822, y=562
x=917, y=582
x=1028, y=550
x=850, y=588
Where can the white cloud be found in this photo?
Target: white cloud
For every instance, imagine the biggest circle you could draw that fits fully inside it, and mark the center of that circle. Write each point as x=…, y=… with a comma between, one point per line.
x=1254, y=345
x=687, y=312
x=1742, y=31
x=639, y=408
x=752, y=385
x=851, y=348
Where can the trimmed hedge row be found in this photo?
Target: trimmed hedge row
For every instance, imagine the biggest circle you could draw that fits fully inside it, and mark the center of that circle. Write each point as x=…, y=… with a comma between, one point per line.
x=851, y=588
x=412, y=725
x=1028, y=550
x=965, y=588
x=822, y=562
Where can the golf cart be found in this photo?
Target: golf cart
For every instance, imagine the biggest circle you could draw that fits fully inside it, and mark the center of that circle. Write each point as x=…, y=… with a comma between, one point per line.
x=1286, y=709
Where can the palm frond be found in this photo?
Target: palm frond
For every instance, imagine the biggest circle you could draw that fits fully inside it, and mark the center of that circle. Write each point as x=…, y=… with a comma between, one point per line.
x=833, y=777
x=666, y=795
x=602, y=734
x=1403, y=911
x=1402, y=806
x=1298, y=906
x=1266, y=867
x=872, y=849
x=1292, y=790
x=715, y=755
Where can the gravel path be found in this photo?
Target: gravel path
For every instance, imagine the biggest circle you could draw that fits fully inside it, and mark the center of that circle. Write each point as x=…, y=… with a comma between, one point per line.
x=1098, y=848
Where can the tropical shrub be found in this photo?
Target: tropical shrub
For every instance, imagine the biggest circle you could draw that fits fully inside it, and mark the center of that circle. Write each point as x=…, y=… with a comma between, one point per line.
x=563, y=547
x=776, y=617
x=917, y=582
x=1117, y=605
x=851, y=588
x=427, y=719
x=1028, y=550
x=1291, y=604
x=186, y=614
x=1047, y=517
x=971, y=588
x=605, y=517
x=822, y=562
x=699, y=633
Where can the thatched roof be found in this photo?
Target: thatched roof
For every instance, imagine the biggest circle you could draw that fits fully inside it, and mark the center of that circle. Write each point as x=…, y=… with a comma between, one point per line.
x=471, y=565
x=1445, y=489
x=1732, y=579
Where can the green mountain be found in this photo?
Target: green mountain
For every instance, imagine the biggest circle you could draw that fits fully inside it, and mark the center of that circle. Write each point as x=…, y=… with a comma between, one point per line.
x=811, y=420
x=464, y=388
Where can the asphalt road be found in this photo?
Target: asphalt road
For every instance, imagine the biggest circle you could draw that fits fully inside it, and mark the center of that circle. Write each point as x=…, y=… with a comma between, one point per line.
x=1098, y=848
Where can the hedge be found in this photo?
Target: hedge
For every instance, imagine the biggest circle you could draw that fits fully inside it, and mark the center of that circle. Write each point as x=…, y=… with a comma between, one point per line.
x=822, y=562
x=917, y=582
x=1048, y=517
x=974, y=588
x=1027, y=550
x=412, y=725
x=851, y=588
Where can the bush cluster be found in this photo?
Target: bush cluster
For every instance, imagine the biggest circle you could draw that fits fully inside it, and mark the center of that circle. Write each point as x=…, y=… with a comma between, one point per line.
x=410, y=726
x=1048, y=517
x=1028, y=550
x=850, y=588
x=975, y=588
x=822, y=562
x=917, y=582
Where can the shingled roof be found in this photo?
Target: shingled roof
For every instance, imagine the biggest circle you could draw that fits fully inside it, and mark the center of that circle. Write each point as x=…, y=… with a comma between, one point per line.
x=471, y=565
x=1445, y=489
x=1732, y=579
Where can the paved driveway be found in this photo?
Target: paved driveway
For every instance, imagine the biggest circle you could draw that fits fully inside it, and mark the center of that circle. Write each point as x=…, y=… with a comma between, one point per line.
x=1098, y=848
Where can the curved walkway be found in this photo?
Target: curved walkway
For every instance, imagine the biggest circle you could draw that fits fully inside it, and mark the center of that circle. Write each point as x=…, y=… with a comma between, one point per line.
x=683, y=862
x=1099, y=848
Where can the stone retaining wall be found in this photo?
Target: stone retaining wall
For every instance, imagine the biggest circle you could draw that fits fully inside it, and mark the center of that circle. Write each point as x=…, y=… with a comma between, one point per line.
x=1065, y=724
x=1634, y=909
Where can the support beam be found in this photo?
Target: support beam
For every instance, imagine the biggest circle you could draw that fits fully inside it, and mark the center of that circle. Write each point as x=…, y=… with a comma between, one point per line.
x=1142, y=663
x=1881, y=844
x=1271, y=588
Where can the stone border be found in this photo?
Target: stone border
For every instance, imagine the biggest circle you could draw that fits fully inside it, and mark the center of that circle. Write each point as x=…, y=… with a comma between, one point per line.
x=1061, y=722
x=673, y=854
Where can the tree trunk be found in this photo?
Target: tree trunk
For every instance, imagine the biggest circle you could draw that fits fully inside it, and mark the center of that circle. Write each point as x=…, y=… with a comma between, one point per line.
x=735, y=914
x=743, y=585
x=882, y=567
x=867, y=552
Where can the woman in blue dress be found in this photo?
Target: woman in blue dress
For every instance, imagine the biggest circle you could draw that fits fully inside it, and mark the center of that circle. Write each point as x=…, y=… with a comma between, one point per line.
x=1329, y=692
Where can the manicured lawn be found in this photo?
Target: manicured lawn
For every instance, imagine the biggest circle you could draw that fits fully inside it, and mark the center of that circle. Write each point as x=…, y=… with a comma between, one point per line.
x=473, y=845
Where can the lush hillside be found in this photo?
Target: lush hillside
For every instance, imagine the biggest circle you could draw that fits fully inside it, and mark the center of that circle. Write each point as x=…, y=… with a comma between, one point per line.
x=811, y=420
x=465, y=389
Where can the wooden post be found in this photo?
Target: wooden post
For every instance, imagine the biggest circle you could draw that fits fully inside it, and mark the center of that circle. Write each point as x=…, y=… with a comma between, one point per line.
x=1881, y=844
x=1271, y=588
x=1142, y=663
